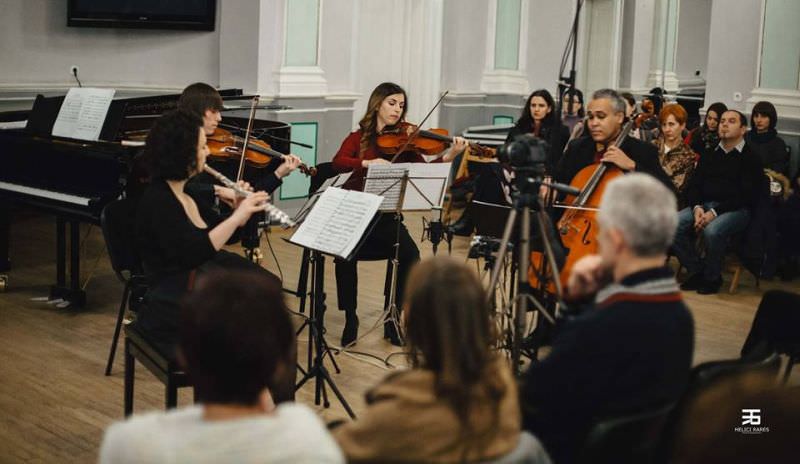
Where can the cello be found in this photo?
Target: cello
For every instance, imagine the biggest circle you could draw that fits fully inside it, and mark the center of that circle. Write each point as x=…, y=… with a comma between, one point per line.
x=578, y=226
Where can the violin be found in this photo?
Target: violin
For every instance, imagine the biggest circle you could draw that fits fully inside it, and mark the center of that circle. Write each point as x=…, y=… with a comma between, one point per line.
x=406, y=137
x=223, y=145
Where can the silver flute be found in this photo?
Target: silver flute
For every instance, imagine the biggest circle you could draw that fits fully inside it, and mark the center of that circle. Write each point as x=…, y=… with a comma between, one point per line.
x=274, y=215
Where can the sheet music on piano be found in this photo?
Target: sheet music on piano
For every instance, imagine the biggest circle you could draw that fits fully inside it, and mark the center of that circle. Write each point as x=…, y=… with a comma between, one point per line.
x=337, y=222
x=83, y=113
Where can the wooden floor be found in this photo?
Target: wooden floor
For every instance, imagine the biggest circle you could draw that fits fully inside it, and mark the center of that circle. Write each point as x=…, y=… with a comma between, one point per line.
x=55, y=401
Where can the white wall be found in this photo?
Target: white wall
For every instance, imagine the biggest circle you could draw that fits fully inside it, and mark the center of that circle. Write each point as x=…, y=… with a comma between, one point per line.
x=549, y=27
x=38, y=49
x=733, y=50
x=692, y=50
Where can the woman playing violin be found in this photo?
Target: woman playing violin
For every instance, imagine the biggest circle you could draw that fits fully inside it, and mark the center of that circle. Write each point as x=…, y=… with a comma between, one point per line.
x=204, y=101
x=386, y=110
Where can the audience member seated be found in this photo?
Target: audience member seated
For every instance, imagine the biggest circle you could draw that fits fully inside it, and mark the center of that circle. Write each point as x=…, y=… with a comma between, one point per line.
x=572, y=116
x=788, y=231
x=238, y=346
x=459, y=400
x=606, y=113
x=630, y=110
x=706, y=137
x=675, y=157
x=764, y=141
x=719, y=195
x=632, y=349
x=540, y=118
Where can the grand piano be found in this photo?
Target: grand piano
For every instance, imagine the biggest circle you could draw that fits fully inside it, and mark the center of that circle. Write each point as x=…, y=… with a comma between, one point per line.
x=73, y=180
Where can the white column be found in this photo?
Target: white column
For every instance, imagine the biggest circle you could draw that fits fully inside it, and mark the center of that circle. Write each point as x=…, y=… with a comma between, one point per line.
x=300, y=73
x=251, y=40
x=662, y=58
x=503, y=74
x=422, y=57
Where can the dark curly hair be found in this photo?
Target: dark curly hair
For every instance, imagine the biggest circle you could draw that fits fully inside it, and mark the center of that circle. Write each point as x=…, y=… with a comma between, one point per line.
x=230, y=362
x=171, y=149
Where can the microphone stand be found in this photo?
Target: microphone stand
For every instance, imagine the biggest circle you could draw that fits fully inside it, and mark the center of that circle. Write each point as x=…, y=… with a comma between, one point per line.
x=568, y=82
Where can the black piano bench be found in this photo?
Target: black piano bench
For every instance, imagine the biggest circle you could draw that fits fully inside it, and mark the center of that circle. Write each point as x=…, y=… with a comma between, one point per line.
x=137, y=347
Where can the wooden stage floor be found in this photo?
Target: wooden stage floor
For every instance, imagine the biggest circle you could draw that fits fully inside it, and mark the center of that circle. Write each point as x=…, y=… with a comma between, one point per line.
x=55, y=401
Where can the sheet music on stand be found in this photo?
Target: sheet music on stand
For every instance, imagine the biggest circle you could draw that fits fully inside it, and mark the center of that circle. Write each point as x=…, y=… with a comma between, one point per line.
x=337, y=222
x=83, y=113
x=335, y=181
x=427, y=183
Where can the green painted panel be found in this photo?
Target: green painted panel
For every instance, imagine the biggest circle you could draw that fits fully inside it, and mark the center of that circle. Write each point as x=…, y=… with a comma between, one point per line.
x=780, y=52
x=502, y=119
x=302, y=18
x=296, y=184
x=506, y=36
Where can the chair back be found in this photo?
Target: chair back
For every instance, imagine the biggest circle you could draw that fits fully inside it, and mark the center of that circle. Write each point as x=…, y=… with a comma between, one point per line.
x=704, y=376
x=632, y=437
x=324, y=172
x=118, y=223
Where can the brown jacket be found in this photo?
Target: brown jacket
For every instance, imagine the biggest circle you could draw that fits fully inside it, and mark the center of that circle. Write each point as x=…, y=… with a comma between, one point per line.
x=678, y=163
x=406, y=422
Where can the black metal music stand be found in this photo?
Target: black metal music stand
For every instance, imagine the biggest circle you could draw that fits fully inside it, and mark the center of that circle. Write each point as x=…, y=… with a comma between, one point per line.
x=318, y=347
x=391, y=310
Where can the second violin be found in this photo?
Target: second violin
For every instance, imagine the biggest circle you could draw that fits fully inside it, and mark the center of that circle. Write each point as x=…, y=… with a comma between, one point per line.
x=224, y=145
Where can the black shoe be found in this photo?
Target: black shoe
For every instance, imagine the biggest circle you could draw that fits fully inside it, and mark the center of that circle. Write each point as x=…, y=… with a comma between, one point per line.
x=710, y=287
x=390, y=333
x=463, y=227
x=694, y=282
x=350, y=332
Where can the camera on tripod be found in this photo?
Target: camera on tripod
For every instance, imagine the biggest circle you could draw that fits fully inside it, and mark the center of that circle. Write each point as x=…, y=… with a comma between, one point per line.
x=483, y=246
x=527, y=154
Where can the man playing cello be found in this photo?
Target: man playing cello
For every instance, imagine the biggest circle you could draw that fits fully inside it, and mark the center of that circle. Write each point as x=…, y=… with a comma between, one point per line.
x=606, y=114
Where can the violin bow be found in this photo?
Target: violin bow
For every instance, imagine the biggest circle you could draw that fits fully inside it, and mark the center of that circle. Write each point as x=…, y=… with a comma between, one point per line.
x=414, y=134
x=253, y=105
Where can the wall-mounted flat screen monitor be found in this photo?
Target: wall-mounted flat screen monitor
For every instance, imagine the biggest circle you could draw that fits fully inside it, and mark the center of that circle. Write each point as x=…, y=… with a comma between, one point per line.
x=197, y=15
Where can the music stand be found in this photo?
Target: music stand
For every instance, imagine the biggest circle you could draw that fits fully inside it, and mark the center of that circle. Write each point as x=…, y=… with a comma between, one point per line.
x=317, y=344
x=395, y=189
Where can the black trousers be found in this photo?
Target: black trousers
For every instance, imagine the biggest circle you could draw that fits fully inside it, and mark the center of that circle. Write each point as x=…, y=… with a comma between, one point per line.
x=379, y=244
x=776, y=326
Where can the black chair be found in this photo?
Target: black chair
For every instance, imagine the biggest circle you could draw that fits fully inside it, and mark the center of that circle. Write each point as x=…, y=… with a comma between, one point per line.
x=702, y=377
x=155, y=359
x=117, y=222
x=631, y=438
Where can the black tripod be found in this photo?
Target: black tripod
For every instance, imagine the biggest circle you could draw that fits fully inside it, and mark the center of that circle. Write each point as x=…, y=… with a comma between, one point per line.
x=527, y=155
x=316, y=339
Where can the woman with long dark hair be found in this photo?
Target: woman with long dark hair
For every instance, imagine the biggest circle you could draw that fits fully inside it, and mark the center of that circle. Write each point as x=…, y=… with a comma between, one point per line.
x=386, y=111
x=458, y=402
x=706, y=137
x=540, y=118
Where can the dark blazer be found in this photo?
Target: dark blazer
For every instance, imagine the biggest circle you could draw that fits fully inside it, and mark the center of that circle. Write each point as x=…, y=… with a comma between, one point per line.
x=580, y=153
x=632, y=352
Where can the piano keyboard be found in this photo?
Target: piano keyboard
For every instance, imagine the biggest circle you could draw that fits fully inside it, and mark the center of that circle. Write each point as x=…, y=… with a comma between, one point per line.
x=48, y=194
